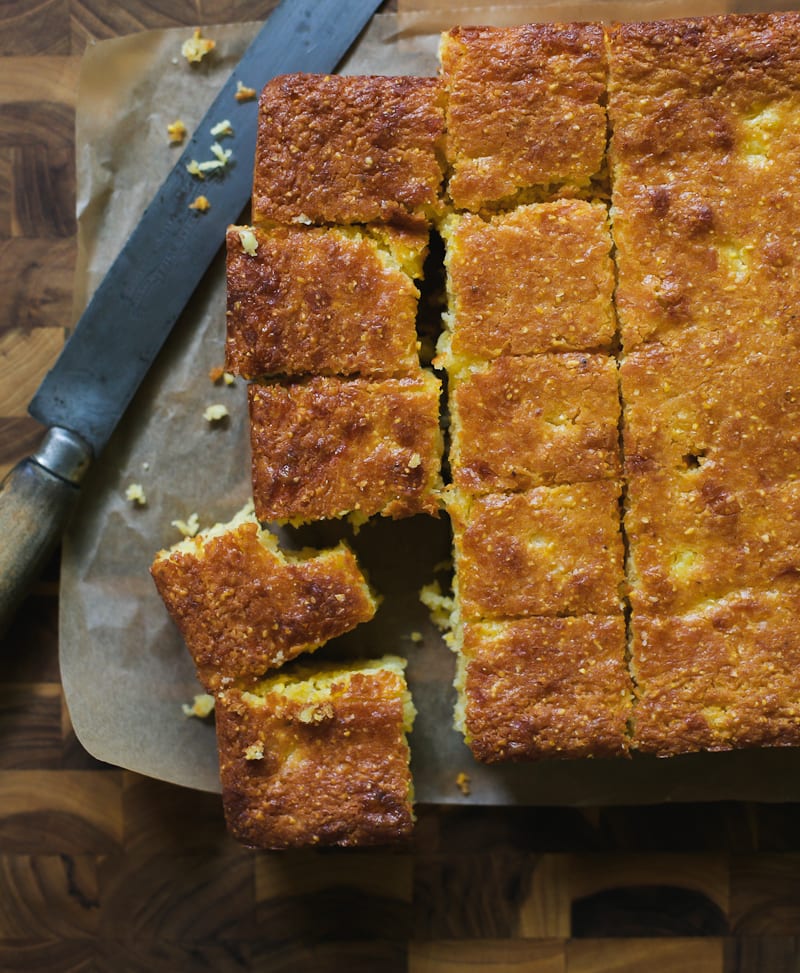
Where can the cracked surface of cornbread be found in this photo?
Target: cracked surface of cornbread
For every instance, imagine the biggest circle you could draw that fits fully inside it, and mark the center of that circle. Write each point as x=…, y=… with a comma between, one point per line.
x=318, y=758
x=327, y=447
x=506, y=87
x=339, y=149
x=324, y=301
x=243, y=606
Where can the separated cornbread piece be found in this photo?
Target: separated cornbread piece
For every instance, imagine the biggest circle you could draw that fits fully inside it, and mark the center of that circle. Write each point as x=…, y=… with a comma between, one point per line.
x=324, y=301
x=544, y=687
x=338, y=149
x=243, y=606
x=517, y=423
x=524, y=112
x=318, y=757
x=537, y=279
x=547, y=551
x=705, y=160
x=724, y=675
x=328, y=447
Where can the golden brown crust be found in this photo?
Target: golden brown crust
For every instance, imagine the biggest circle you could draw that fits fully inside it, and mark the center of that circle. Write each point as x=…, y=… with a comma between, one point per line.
x=335, y=776
x=319, y=301
x=523, y=422
x=337, y=149
x=537, y=279
x=548, y=551
x=328, y=446
x=726, y=675
x=705, y=161
x=547, y=687
x=523, y=108
x=242, y=609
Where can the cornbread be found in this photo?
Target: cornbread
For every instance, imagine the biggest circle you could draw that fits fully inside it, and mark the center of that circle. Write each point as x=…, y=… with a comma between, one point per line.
x=547, y=551
x=536, y=279
x=544, y=687
x=336, y=149
x=243, y=606
x=323, y=301
x=327, y=447
x=524, y=111
x=516, y=423
x=318, y=757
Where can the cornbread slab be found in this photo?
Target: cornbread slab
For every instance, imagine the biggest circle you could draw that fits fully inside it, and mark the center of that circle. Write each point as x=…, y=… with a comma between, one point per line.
x=536, y=279
x=726, y=674
x=337, y=149
x=328, y=447
x=516, y=423
x=243, y=606
x=318, y=758
x=544, y=687
x=547, y=551
x=505, y=88
x=705, y=165
x=324, y=301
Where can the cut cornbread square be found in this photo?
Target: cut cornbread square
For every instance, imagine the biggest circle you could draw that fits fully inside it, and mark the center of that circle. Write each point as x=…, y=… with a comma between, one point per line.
x=524, y=110
x=724, y=675
x=327, y=447
x=319, y=757
x=544, y=687
x=516, y=423
x=244, y=606
x=339, y=149
x=548, y=551
x=537, y=279
x=324, y=301
x=705, y=162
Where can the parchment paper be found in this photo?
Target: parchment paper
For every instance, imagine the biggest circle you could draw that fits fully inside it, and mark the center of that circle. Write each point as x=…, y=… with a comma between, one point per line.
x=124, y=667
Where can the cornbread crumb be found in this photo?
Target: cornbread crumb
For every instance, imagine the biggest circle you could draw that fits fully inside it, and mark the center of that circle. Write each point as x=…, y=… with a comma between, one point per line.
x=196, y=48
x=200, y=203
x=216, y=373
x=221, y=129
x=193, y=168
x=440, y=606
x=416, y=637
x=201, y=707
x=254, y=752
x=243, y=93
x=463, y=783
x=215, y=412
x=135, y=493
x=188, y=527
x=248, y=241
x=176, y=131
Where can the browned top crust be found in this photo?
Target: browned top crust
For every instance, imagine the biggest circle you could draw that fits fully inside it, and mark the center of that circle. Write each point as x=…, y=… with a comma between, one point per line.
x=337, y=149
x=243, y=609
x=319, y=301
x=537, y=279
x=547, y=687
x=523, y=109
x=523, y=422
x=705, y=159
x=726, y=675
x=327, y=447
x=549, y=551
x=333, y=773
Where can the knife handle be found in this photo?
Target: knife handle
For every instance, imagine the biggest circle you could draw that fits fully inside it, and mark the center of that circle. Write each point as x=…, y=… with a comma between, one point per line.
x=36, y=500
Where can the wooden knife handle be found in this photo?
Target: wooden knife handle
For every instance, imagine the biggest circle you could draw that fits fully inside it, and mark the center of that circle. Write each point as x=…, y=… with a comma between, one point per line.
x=36, y=500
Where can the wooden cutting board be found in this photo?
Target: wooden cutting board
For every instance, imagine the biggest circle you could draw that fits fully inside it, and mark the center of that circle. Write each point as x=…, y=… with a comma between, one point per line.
x=104, y=870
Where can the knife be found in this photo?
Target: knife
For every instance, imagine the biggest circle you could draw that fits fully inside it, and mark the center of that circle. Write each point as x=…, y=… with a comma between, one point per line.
x=84, y=396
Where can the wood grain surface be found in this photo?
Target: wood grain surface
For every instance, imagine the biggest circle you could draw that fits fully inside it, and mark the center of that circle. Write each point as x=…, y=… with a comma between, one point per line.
x=102, y=870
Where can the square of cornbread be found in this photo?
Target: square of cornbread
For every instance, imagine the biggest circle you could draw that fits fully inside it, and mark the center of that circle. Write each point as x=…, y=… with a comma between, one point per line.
x=328, y=447
x=346, y=149
x=516, y=423
x=544, y=687
x=705, y=163
x=537, y=279
x=323, y=301
x=524, y=110
x=725, y=675
x=244, y=606
x=319, y=757
x=547, y=551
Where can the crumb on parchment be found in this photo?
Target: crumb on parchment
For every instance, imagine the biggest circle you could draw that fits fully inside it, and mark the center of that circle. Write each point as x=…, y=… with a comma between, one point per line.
x=243, y=93
x=188, y=527
x=201, y=707
x=201, y=204
x=218, y=373
x=177, y=132
x=215, y=412
x=135, y=494
x=462, y=783
x=416, y=637
x=196, y=48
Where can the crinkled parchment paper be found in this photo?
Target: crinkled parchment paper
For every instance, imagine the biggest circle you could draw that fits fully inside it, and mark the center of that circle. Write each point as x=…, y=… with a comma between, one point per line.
x=125, y=669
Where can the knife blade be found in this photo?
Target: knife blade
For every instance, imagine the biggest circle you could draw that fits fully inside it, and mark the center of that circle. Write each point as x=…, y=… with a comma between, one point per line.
x=83, y=397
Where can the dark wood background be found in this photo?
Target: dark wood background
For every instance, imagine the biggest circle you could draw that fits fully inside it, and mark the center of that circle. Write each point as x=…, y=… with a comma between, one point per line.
x=103, y=870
